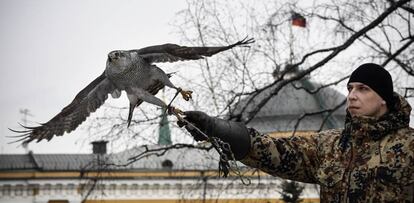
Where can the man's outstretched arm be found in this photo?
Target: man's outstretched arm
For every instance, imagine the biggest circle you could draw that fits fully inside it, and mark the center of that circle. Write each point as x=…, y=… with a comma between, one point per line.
x=293, y=158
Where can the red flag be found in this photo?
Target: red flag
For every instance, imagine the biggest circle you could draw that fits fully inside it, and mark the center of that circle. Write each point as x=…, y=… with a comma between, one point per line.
x=298, y=20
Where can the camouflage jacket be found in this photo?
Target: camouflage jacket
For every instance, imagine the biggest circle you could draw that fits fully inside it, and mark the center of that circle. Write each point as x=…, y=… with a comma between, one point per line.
x=368, y=161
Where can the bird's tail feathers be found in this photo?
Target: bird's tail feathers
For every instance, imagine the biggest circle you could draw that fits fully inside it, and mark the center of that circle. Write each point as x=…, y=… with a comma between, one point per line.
x=130, y=113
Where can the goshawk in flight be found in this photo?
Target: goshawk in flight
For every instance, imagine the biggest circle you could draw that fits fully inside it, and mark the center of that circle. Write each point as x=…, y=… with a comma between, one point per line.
x=132, y=71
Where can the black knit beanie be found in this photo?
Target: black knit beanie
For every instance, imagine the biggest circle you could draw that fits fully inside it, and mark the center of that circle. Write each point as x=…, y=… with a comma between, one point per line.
x=377, y=78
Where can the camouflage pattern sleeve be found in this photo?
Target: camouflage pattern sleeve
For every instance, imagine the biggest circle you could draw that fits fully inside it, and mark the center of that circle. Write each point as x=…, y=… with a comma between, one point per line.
x=295, y=158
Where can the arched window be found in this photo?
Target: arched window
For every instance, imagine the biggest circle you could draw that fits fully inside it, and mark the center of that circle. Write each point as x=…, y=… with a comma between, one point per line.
x=123, y=189
x=178, y=186
x=111, y=189
x=46, y=189
x=6, y=190
x=134, y=189
x=70, y=189
x=58, y=189
x=18, y=191
x=145, y=186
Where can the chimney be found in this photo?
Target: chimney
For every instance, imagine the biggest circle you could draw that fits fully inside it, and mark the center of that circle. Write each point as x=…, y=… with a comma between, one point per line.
x=99, y=147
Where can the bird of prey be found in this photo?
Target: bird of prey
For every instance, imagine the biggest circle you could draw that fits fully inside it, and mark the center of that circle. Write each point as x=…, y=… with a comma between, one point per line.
x=131, y=71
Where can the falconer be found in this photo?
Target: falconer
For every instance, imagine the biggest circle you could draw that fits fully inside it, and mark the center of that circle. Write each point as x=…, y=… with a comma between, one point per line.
x=370, y=160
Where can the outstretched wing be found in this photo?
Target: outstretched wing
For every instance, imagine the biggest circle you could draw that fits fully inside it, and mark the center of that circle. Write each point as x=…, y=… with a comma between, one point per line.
x=173, y=52
x=85, y=102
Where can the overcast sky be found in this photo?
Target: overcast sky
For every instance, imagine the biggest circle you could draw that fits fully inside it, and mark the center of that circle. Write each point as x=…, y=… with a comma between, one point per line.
x=51, y=49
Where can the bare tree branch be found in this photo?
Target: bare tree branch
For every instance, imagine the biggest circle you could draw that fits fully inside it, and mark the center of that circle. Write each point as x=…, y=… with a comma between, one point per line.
x=321, y=87
x=161, y=151
x=325, y=112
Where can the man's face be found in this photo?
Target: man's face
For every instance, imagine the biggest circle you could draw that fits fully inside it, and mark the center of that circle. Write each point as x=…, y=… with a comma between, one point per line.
x=363, y=101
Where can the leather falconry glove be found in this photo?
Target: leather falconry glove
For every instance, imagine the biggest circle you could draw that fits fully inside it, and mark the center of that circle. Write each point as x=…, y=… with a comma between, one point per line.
x=233, y=133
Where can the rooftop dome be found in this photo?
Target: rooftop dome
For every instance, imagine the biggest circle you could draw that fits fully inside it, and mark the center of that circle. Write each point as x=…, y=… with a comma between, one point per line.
x=283, y=110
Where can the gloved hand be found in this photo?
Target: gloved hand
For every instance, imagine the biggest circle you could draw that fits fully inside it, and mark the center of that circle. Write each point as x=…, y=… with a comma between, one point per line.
x=234, y=133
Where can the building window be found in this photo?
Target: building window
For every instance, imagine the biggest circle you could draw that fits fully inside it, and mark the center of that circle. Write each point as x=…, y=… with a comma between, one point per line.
x=155, y=188
x=32, y=189
x=123, y=189
x=261, y=186
x=100, y=187
x=59, y=188
x=112, y=189
x=70, y=189
x=178, y=186
x=6, y=190
x=189, y=186
x=166, y=186
x=46, y=189
x=29, y=190
x=19, y=190
x=209, y=186
x=144, y=189
x=134, y=188
x=165, y=189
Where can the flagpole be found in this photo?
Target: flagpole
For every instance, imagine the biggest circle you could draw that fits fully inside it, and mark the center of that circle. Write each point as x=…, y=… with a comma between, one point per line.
x=291, y=40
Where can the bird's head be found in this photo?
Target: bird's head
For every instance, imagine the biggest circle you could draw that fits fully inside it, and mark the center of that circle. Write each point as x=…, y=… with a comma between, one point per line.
x=119, y=61
x=116, y=56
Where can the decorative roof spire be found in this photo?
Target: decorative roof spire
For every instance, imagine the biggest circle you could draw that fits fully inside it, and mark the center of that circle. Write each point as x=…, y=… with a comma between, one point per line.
x=164, y=133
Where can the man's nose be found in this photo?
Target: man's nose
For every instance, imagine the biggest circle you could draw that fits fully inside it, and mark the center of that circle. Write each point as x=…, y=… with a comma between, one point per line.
x=352, y=95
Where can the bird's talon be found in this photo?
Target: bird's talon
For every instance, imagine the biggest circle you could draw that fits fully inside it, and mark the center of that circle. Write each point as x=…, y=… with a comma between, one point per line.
x=172, y=110
x=175, y=111
x=178, y=111
x=186, y=94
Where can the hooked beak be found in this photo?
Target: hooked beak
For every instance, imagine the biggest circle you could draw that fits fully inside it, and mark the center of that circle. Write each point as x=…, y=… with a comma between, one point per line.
x=113, y=56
